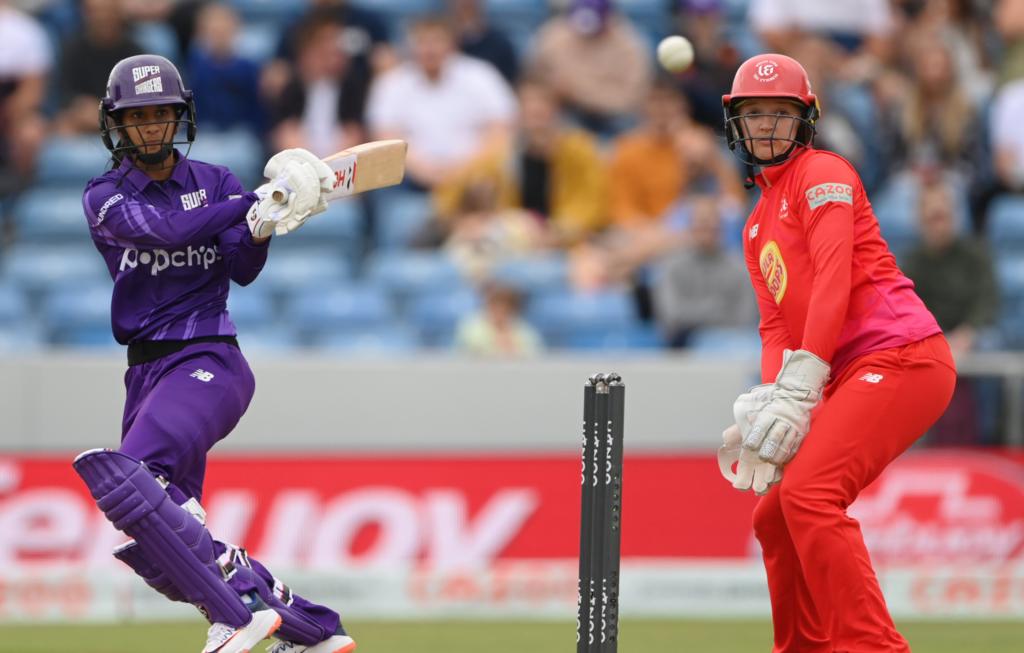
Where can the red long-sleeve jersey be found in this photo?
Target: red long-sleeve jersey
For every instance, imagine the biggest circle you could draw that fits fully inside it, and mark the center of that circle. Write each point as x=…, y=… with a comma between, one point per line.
x=824, y=277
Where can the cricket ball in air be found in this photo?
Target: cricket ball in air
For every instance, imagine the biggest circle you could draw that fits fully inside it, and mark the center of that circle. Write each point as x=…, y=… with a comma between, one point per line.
x=675, y=53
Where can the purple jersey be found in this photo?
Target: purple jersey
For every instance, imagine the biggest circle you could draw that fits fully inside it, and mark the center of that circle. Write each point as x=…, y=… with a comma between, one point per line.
x=171, y=248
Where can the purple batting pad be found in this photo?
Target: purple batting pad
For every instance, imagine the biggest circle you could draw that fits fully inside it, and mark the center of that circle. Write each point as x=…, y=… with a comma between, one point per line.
x=130, y=554
x=166, y=534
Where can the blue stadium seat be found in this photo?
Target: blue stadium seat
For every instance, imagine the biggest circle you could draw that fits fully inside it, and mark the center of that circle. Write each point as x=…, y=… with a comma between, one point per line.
x=436, y=315
x=726, y=342
x=563, y=314
x=344, y=308
x=340, y=227
x=543, y=273
x=1010, y=276
x=635, y=338
x=157, y=38
x=71, y=161
x=36, y=268
x=268, y=338
x=289, y=271
x=251, y=306
x=257, y=41
x=20, y=338
x=80, y=308
x=14, y=308
x=1005, y=223
x=269, y=10
x=392, y=340
x=413, y=273
x=50, y=214
x=398, y=10
x=400, y=215
x=87, y=337
x=237, y=149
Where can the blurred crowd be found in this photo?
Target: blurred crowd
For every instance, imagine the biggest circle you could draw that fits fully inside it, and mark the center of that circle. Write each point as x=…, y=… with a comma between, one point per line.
x=544, y=131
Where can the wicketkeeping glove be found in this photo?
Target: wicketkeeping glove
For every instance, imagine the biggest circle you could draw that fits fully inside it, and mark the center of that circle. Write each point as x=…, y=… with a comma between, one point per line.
x=783, y=423
x=751, y=472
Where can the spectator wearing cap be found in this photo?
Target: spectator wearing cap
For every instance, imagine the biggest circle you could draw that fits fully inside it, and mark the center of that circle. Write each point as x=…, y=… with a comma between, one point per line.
x=596, y=61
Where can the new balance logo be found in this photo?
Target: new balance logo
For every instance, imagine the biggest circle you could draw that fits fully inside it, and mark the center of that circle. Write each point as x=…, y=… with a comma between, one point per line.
x=753, y=231
x=871, y=377
x=202, y=375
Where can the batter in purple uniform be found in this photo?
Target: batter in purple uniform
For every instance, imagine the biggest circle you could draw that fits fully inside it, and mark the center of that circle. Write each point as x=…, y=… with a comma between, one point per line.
x=174, y=232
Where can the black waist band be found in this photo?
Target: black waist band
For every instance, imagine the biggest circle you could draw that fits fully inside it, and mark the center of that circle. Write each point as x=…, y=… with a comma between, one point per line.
x=146, y=351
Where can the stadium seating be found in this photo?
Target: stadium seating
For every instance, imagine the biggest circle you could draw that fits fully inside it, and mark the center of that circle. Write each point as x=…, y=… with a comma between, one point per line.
x=157, y=38
x=315, y=312
x=542, y=273
x=37, y=268
x=436, y=315
x=727, y=342
x=251, y=307
x=563, y=315
x=382, y=341
x=406, y=274
x=314, y=268
x=1006, y=223
x=51, y=215
x=71, y=161
x=340, y=228
x=257, y=41
x=236, y=149
x=399, y=215
x=269, y=10
x=14, y=307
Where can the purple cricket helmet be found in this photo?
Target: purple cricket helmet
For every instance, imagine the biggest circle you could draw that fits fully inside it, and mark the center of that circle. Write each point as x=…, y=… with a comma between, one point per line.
x=144, y=80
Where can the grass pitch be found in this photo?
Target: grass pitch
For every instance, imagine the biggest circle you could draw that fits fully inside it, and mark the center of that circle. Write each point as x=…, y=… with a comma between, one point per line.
x=638, y=636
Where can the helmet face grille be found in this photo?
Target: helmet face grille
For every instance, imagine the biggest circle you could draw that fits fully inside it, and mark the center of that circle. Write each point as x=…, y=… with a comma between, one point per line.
x=742, y=144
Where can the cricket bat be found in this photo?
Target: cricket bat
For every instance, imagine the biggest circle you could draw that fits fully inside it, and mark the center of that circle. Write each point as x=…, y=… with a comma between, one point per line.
x=367, y=166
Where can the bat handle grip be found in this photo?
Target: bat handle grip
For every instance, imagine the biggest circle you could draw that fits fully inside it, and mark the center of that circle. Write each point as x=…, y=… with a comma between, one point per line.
x=279, y=196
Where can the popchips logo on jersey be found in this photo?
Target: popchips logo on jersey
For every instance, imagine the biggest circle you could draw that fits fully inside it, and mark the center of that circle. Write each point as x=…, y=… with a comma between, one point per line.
x=824, y=193
x=159, y=260
x=773, y=269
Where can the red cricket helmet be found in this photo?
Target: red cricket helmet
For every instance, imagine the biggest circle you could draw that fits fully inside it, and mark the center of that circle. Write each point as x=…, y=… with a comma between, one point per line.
x=770, y=76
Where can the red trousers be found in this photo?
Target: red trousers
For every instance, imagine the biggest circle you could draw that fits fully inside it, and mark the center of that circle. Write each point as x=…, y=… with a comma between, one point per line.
x=824, y=593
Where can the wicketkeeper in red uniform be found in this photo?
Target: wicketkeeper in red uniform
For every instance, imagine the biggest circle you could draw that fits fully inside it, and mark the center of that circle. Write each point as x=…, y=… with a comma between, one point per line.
x=855, y=368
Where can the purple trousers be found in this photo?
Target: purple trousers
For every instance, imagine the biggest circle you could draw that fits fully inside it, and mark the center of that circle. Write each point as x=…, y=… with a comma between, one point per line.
x=177, y=408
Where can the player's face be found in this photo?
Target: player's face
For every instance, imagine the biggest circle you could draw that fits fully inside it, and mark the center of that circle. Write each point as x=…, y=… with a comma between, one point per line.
x=772, y=123
x=150, y=127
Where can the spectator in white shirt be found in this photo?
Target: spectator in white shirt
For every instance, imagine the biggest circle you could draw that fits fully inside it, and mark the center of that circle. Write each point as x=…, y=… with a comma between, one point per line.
x=25, y=61
x=449, y=107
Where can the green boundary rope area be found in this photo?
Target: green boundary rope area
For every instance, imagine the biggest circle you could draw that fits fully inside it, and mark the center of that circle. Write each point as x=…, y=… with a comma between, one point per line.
x=640, y=636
